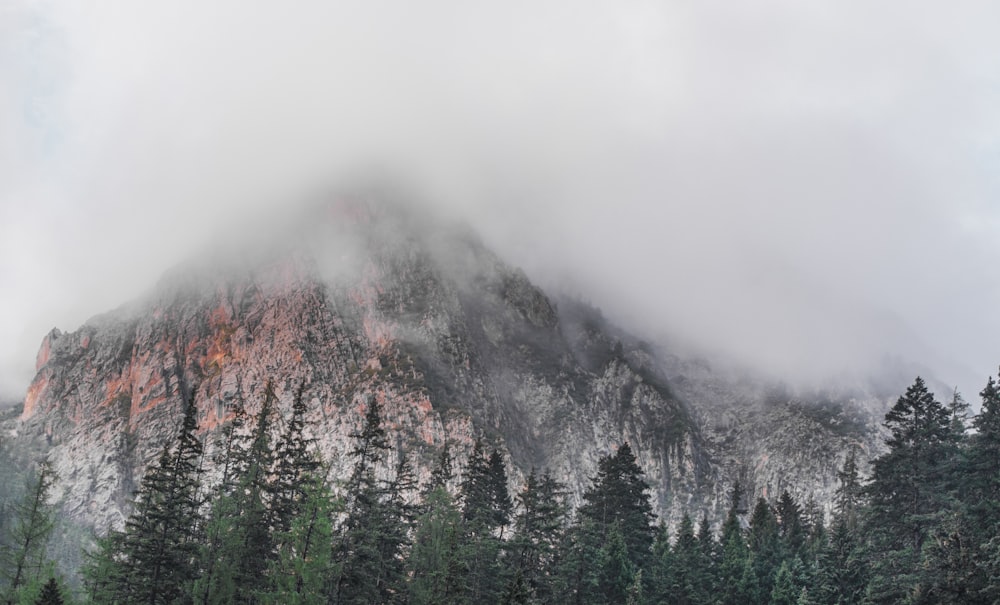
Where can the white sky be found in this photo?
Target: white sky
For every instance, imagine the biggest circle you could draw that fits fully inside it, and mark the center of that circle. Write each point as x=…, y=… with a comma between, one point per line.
x=806, y=185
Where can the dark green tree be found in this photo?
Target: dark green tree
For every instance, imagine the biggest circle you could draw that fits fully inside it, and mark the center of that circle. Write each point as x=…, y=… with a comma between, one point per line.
x=619, y=495
x=765, y=547
x=23, y=556
x=372, y=540
x=688, y=568
x=154, y=560
x=909, y=493
x=538, y=531
x=51, y=594
x=295, y=466
x=434, y=562
x=735, y=577
x=303, y=564
x=240, y=549
x=790, y=525
x=486, y=509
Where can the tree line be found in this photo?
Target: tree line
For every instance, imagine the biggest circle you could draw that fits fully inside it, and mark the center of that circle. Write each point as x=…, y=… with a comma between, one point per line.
x=922, y=528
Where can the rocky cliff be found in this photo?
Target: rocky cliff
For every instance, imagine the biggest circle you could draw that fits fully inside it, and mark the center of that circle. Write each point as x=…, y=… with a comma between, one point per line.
x=360, y=302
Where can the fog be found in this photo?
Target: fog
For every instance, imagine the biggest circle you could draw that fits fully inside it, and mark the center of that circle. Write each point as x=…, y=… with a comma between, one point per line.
x=808, y=187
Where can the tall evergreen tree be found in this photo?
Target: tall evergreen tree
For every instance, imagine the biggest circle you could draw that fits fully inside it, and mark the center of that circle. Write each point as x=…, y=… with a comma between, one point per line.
x=908, y=492
x=23, y=556
x=373, y=535
x=486, y=509
x=790, y=524
x=241, y=549
x=51, y=594
x=765, y=548
x=434, y=562
x=299, y=572
x=619, y=494
x=153, y=560
x=735, y=577
x=295, y=465
x=538, y=531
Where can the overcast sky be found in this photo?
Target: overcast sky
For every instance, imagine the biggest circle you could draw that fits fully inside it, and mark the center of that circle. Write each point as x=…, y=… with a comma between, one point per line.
x=806, y=185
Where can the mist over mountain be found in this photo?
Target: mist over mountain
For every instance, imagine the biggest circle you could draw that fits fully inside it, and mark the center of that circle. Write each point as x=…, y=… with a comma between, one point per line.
x=362, y=299
x=750, y=180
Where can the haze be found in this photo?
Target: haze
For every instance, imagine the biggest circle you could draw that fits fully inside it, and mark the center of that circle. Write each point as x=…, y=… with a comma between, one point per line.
x=809, y=187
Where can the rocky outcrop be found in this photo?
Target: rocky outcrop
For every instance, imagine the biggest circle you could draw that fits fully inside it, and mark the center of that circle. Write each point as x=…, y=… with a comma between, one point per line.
x=370, y=303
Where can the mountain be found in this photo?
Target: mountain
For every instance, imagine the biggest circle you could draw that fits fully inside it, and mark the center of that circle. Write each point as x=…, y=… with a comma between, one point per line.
x=358, y=301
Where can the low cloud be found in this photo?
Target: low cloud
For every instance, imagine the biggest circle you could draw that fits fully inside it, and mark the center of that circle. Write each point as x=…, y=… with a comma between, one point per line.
x=806, y=186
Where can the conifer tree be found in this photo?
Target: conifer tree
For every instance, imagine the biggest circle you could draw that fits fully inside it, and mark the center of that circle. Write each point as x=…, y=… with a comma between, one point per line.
x=153, y=560
x=538, y=531
x=616, y=572
x=372, y=539
x=434, y=560
x=735, y=578
x=299, y=572
x=50, y=595
x=24, y=545
x=765, y=547
x=790, y=524
x=619, y=495
x=240, y=549
x=688, y=570
x=908, y=492
x=486, y=509
x=295, y=465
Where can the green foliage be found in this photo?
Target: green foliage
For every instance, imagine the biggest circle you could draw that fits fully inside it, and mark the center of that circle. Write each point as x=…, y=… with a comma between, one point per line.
x=909, y=493
x=51, y=594
x=538, y=532
x=374, y=535
x=619, y=498
x=24, y=542
x=154, y=559
x=924, y=529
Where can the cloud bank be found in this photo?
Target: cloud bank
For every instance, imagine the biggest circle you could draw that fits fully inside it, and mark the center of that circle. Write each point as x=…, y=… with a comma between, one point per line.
x=807, y=186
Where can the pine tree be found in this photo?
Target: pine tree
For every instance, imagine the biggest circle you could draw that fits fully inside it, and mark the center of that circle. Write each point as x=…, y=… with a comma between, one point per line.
x=240, y=549
x=961, y=557
x=909, y=492
x=619, y=496
x=687, y=569
x=538, y=531
x=765, y=547
x=735, y=577
x=299, y=572
x=486, y=509
x=710, y=554
x=153, y=560
x=24, y=547
x=373, y=536
x=51, y=595
x=295, y=465
x=785, y=591
x=434, y=561
x=615, y=570
x=790, y=525
x=841, y=576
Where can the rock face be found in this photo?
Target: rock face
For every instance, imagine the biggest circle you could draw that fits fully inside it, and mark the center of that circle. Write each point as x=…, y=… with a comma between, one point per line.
x=375, y=303
x=366, y=306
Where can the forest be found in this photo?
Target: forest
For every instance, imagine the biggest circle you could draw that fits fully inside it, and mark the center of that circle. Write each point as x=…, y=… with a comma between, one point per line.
x=920, y=526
